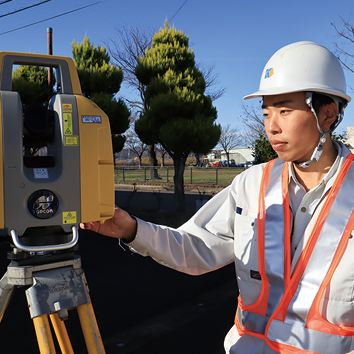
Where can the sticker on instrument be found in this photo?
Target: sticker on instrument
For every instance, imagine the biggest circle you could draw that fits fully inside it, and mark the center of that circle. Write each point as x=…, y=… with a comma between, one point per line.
x=72, y=140
x=91, y=119
x=40, y=173
x=67, y=107
x=69, y=217
x=68, y=123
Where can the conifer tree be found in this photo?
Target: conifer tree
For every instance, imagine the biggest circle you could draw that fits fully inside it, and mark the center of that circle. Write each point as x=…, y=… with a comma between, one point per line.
x=263, y=151
x=100, y=81
x=32, y=83
x=179, y=115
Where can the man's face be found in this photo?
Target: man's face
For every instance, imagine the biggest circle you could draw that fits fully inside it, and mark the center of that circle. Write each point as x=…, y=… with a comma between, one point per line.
x=290, y=126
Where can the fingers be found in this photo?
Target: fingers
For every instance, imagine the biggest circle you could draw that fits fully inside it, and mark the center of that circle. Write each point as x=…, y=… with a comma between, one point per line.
x=121, y=225
x=84, y=226
x=94, y=226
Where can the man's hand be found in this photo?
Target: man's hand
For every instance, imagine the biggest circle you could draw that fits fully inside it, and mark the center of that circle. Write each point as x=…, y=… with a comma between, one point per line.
x=121, y=225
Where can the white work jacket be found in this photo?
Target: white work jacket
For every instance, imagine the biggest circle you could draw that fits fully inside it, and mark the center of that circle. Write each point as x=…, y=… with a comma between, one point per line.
x=224, y=231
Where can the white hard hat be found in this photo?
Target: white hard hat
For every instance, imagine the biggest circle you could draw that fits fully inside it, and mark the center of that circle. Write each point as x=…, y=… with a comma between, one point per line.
x=302, y=66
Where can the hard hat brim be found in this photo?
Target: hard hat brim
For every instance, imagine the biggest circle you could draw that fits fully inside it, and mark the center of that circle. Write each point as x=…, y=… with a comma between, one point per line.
x=282, y=91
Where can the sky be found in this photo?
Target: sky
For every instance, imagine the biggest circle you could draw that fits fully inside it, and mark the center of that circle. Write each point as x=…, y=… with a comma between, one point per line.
x=235, y=37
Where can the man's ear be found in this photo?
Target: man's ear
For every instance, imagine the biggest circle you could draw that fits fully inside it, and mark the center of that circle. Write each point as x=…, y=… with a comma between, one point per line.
x=328, y=114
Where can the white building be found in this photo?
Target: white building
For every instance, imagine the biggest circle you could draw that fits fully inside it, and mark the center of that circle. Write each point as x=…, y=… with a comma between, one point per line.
x=350, y=138
x=240, y=155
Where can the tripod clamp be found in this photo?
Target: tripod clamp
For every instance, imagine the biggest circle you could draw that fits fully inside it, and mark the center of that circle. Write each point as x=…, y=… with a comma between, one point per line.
x=58, y=247
x=55, y=288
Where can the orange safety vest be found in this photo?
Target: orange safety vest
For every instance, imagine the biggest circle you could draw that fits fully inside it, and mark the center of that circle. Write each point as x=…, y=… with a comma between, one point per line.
x=286, y=314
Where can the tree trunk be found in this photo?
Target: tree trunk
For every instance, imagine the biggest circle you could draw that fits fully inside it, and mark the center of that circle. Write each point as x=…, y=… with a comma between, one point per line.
x=153, y=162
x=197, y=160
x=179, y=166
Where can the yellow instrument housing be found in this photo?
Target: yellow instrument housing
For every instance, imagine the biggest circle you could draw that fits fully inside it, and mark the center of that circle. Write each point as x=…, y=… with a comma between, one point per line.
x=83, y=175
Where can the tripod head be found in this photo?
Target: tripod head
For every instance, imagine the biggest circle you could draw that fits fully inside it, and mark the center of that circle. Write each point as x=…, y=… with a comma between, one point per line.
x=56, y=162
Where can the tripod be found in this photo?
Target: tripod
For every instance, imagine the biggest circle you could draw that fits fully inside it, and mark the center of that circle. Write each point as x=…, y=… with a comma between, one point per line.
x=55, y=288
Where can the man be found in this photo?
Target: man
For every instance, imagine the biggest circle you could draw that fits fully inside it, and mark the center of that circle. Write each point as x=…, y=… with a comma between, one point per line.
x=287, y=224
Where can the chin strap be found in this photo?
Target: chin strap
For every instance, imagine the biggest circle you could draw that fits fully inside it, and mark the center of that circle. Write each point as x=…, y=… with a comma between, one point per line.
x=317, y=153
x=323, y=137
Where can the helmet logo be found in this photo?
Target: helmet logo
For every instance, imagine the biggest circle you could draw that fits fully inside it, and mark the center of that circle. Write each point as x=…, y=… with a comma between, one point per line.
x=269, y=73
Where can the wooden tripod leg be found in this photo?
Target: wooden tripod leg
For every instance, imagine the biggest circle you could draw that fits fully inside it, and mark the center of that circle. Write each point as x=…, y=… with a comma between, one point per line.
x=90, y=329
x=44, y=334
x=6, y=290
x=61, y=334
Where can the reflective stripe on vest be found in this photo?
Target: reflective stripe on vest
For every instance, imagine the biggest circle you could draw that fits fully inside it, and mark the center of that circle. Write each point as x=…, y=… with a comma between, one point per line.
x=281, y=305
x=272, y=232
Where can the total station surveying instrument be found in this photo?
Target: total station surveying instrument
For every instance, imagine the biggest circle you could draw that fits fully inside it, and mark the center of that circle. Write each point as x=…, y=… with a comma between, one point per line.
x=56, y=170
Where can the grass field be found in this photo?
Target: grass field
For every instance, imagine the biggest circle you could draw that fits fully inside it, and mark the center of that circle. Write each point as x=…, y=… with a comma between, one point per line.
x=205, y=176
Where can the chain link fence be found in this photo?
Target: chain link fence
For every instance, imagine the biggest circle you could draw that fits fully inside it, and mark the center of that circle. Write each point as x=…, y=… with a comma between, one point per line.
x=221, y=176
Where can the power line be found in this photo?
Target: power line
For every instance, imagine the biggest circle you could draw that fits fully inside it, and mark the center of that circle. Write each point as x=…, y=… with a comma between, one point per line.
x=23, y=8
x=177, y=11
x=50, y=18
x=4, y=2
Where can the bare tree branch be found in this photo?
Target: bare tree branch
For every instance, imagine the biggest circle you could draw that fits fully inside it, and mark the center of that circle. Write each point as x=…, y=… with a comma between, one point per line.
x=125, y=53
x=162, y=151
x=252, y=118
x=346, y=57
x=135, y=144
x=229, y=139
x=211, y=79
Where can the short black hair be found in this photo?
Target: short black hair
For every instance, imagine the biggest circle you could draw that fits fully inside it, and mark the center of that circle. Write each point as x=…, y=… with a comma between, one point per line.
x=319, y=100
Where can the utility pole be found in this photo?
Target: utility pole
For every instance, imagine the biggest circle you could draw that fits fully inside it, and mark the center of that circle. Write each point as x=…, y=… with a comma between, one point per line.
x=50, y=52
